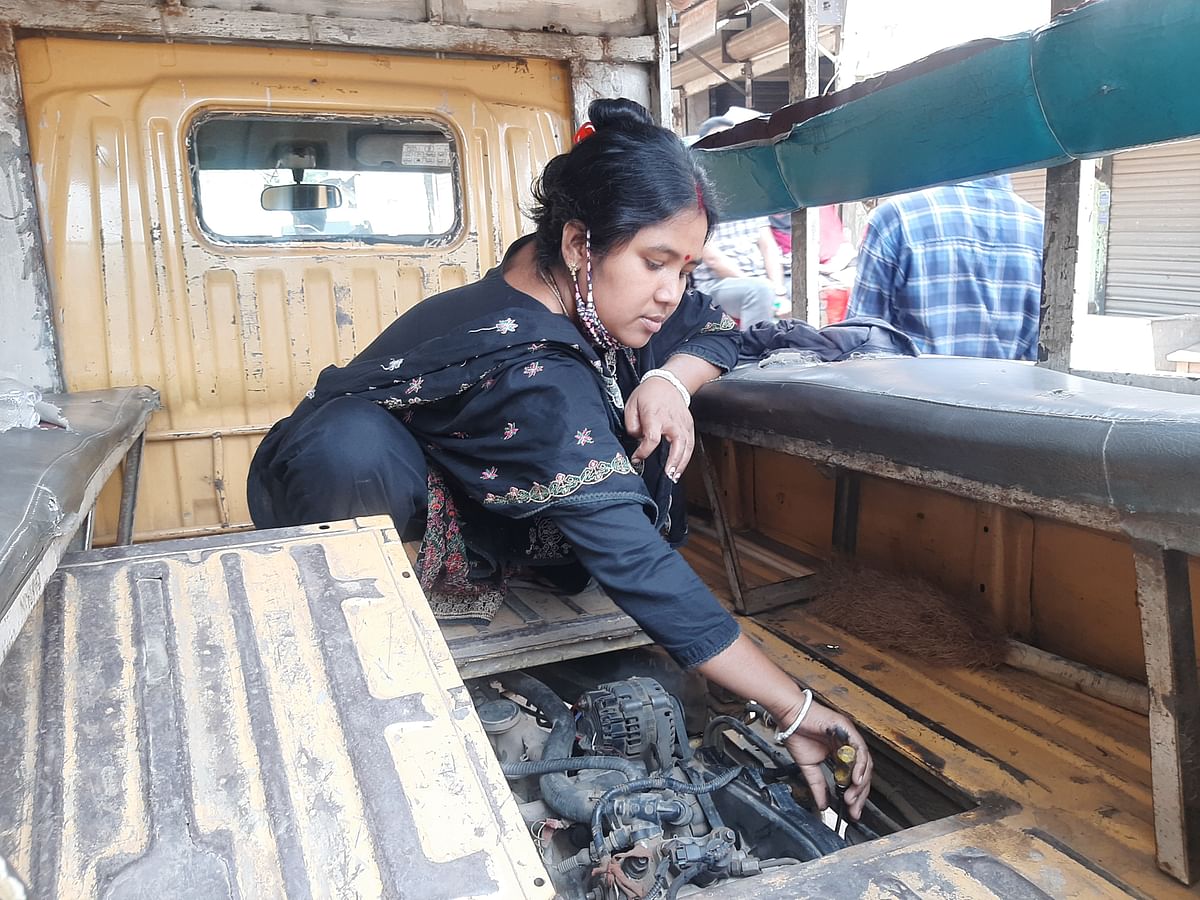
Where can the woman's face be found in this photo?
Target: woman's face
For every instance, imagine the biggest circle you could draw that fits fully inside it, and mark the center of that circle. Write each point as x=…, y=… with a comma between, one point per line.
x=639, y=285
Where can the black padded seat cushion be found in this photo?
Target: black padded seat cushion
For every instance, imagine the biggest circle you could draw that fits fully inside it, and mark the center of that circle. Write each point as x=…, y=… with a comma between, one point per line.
x=1133, y=451
x=46, y=471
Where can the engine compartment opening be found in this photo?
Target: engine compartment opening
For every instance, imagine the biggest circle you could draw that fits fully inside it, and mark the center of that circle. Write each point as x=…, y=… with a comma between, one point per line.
x=639, y=780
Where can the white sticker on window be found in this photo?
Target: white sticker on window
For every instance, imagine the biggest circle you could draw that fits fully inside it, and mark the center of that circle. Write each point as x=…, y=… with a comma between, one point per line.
x=425, y=154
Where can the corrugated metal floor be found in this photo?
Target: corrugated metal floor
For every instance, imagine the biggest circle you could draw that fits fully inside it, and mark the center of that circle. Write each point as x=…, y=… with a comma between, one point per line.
x=262, y=715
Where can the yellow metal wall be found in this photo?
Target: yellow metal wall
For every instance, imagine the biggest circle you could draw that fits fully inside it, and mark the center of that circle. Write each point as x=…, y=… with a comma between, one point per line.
x=233, y=336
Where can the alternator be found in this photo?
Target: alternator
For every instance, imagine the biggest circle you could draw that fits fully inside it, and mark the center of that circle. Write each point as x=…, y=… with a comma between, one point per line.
x=635, y=718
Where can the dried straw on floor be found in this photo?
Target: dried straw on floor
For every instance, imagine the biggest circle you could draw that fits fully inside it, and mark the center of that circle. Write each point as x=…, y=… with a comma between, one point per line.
x=907, y=614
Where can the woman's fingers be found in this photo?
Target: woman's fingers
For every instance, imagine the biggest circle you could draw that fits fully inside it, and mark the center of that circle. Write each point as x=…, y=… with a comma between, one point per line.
x=816, y=785
x=651, y=435
x=655, y=413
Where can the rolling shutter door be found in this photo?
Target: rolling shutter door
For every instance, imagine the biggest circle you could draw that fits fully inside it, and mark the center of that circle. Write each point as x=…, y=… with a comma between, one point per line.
x=1154, y=232
x=1031, y=187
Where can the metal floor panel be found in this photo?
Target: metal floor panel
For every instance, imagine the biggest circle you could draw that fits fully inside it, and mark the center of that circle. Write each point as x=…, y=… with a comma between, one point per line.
x=272, y=714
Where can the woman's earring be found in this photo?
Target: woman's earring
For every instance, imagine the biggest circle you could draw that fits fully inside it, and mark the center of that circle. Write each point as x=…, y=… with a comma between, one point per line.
x=574, y=267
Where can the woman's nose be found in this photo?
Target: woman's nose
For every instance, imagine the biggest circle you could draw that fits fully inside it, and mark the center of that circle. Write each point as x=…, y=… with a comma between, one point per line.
x=668, y=291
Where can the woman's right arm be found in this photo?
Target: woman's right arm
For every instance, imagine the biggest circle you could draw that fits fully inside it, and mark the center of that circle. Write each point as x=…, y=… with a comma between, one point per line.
x=618, y=545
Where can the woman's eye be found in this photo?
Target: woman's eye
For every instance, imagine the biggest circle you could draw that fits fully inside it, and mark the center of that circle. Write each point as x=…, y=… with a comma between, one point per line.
x=653, y=266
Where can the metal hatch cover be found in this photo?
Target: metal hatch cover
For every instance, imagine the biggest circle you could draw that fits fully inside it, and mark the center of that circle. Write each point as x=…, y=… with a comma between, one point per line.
x=270, y=714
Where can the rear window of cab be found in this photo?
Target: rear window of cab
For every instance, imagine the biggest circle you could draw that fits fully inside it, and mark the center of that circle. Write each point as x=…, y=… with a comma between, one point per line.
x=264, y=178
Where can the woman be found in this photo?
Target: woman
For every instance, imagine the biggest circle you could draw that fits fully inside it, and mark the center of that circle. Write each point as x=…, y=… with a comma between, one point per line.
x=540, y=418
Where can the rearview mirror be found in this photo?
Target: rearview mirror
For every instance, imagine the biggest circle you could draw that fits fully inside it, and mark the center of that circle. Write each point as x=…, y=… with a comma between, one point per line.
x=294, y=197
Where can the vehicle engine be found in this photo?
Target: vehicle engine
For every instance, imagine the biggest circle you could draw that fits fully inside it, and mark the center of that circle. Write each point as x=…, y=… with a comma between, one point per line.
x=622, y=804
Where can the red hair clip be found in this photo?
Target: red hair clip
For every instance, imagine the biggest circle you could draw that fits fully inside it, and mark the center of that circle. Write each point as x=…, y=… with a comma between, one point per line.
x=586, y=130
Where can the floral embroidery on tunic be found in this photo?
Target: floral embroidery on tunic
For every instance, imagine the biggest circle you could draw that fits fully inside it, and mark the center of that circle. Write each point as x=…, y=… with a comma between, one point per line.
x=532, y=369
x=510, y=431
x=546, y=541
x=394, y=402
x=488, y=474
x=563, y=484
x=414, y=385
x=392, y=365
x=504, y=326
x=584, y=436
x=488, y=383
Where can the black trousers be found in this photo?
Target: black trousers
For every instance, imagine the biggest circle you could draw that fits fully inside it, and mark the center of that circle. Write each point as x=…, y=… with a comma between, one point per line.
x=348, y=458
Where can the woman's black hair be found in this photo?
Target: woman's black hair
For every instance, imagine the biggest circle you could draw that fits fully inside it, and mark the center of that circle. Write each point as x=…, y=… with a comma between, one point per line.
x=629, y=174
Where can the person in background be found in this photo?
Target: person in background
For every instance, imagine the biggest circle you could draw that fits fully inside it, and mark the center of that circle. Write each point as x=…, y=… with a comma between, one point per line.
x=835, y=259
x=741, y=269
x=958, y=268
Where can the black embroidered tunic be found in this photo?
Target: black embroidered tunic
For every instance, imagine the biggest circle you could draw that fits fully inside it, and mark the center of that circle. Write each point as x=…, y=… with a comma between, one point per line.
x=522, y=425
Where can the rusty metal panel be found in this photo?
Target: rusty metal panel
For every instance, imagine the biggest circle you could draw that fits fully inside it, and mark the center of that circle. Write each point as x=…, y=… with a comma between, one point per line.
x=233, y=335
x=265, y=715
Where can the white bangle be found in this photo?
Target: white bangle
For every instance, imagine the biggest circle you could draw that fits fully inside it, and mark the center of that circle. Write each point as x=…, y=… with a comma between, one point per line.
x=781, y=736
x=670, y=377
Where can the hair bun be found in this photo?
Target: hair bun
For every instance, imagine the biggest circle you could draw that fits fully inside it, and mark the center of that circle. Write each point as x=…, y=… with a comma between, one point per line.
x=619, y=114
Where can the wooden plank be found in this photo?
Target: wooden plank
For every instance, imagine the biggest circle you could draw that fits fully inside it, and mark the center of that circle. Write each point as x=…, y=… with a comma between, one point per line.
x=1059, y=259
x=535, y=627
x=1002, y=567
x=657, y=16
x=1086, y=611
x=725, y=536
x=794, y=500
x=1101, y=517
x=201, y=24
x=1060, y=256
x=1164, y=598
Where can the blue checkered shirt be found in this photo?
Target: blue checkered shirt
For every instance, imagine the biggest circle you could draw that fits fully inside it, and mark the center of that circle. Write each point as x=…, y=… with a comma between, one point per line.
x=957, y=268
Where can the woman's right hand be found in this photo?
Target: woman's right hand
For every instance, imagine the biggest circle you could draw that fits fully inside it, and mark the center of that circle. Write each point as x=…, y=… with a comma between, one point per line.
x=818, y=738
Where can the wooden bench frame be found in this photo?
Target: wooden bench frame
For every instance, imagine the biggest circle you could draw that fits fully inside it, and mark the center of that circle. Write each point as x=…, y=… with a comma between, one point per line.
x=1163, y=597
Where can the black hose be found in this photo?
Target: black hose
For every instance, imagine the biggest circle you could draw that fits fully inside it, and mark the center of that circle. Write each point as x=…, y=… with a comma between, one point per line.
x=658, y=783
x=780, y=758
x=566, y=799
x=627, y=768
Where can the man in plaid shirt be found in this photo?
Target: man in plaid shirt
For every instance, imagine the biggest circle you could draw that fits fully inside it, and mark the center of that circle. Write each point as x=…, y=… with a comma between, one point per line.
x=957, y=268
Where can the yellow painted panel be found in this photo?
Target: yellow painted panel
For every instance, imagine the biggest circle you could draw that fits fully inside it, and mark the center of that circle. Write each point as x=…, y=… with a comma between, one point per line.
x=1085, y=598
x=232, y=336
x=793, y=501
x=210, y=704
x=918, y=531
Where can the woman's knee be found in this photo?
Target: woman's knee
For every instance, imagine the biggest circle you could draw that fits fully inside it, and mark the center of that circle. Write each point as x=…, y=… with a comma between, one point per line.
x=350, y=458
x=351, y=438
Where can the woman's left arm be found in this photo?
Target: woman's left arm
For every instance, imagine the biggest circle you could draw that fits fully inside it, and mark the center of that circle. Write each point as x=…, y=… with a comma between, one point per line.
x=656, y=410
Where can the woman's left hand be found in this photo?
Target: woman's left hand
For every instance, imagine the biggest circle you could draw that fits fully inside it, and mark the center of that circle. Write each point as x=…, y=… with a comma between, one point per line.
x=654, y=411
x=822, y=733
